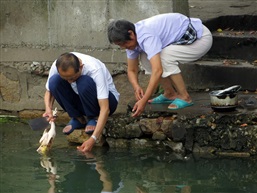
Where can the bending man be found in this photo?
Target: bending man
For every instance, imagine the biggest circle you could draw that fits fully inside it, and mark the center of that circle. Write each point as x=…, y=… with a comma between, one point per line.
x=161, y=42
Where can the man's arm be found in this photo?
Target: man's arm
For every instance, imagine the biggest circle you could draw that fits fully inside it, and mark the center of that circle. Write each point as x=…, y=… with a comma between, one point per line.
x=155, y=76
x=102, y=119
x=133, y=77
x=152, y=85
x=49, y=101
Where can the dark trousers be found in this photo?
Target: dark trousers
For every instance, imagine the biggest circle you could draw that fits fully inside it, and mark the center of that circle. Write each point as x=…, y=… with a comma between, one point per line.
x=76, y=105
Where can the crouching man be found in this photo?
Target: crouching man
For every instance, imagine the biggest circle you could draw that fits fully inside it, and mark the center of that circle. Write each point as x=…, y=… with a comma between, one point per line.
x=84, y=88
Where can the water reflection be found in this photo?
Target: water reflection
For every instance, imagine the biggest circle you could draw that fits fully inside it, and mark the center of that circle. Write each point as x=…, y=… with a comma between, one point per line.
x=88, y=174
x=168, y=189
x=50, y=167
x=66, y=170
x=112, y=171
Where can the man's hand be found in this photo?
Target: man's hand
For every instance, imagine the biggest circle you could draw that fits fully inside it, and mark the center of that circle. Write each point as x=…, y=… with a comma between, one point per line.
x=138, y=108
x=139, y=93
x=51, y=115
x=87, y=145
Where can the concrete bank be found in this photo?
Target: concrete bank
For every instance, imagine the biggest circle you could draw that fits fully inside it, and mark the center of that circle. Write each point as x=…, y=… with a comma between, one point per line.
x=197, y=129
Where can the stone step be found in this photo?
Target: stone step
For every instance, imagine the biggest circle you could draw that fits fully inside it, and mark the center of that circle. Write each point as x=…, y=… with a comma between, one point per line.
x=234, y=37
x=217, y=74
x=232, y=60
x=236, y=22
x=227, y=44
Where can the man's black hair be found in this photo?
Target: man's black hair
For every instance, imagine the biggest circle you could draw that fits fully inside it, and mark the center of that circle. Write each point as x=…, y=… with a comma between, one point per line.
x=118, y=31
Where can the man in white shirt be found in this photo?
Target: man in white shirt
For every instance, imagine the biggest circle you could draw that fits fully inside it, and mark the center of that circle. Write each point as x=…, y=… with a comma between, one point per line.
x=83, y=87
x=160, y=43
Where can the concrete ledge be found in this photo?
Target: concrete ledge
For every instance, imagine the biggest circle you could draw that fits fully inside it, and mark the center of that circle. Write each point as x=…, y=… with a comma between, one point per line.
x=48, y=54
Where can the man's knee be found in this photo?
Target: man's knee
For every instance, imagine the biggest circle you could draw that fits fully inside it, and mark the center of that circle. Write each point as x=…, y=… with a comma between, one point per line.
x=54, y=81
x=86, y=84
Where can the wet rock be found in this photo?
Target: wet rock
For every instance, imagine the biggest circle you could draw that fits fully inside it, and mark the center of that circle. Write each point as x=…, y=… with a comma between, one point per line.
x=79, y=136
x=189, y=139
x=178, y=132
x=234, y=154
x=167, y=123
x=116, y=126
x=149, y=126
x=176, y=147
x=159, y=135
x=133, y=143
x=133, y=131
x=204, y=149
x=147, y=143
x=117, y=143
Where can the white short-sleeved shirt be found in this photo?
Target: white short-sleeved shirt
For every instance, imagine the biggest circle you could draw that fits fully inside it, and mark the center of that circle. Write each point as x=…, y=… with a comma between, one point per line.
x=97, y=71
x=157, y=32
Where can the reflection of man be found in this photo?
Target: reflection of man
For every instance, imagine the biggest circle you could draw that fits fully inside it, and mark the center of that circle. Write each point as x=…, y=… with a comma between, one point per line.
x=178, y=189
x=89, y=175
x=104, y=177
x=168, y=189
x=141, y=189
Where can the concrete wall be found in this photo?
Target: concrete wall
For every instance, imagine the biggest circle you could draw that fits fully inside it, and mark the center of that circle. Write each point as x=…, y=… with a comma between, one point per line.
x=35, y=32
x=42, y=29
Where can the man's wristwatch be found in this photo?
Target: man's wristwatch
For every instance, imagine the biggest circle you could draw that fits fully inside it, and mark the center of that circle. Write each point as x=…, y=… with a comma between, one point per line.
x=94, y=137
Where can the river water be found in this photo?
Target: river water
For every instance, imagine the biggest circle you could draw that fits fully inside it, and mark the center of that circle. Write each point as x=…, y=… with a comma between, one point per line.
x=65, y=170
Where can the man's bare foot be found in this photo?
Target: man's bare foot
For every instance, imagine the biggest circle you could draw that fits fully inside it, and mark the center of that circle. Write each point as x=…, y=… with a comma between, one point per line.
x=67, y=128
